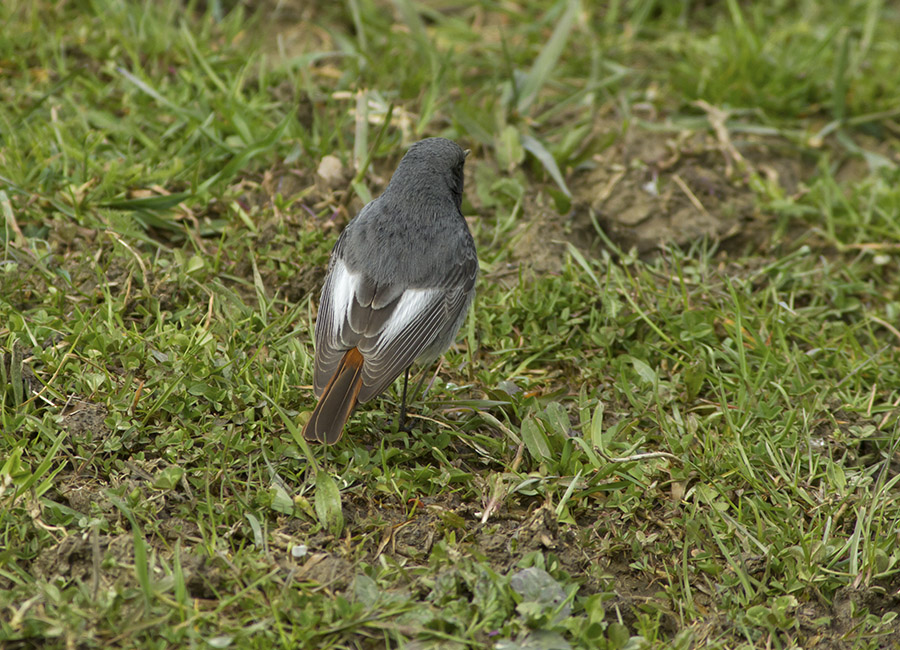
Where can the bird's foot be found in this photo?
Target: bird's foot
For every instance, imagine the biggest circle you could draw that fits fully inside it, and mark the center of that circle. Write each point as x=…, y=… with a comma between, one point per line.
x=404, y=423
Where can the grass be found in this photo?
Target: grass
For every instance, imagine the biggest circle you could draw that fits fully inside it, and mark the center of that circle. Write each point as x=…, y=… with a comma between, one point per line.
x=690, y=447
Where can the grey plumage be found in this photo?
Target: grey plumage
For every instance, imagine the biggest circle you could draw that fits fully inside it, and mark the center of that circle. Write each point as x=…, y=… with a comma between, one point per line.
x=400, y=280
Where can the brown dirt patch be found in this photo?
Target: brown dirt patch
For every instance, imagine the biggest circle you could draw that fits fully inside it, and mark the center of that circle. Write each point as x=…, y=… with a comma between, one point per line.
x=651, y=189
x=107, y=561
x=85, y=419
x=403, y=534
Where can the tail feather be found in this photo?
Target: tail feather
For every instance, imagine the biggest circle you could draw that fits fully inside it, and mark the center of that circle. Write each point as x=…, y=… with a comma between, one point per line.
x=326, y=424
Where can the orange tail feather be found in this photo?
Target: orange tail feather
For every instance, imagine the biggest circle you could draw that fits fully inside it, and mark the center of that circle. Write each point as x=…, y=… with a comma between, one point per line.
x=326, y=424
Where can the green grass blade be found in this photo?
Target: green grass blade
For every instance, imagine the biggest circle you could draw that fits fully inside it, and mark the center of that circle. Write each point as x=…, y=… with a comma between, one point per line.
x=545, y=64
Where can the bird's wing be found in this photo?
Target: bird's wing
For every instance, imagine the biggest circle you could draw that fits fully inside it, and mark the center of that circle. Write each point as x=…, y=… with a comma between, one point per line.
x=421, y=316
x=334, y=336
x=389, y=324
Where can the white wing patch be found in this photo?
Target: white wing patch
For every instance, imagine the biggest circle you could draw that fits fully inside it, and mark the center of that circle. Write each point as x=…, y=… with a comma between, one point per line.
x=343, y=290
x=412, y=303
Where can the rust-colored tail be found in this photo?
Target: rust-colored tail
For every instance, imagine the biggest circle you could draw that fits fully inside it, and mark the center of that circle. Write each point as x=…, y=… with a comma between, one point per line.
x=326, y=424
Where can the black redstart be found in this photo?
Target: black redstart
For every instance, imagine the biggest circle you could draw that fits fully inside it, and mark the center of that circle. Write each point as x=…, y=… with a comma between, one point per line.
x=400, y=282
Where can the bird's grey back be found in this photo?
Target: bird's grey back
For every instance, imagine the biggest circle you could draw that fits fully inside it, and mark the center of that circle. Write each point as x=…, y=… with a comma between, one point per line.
x=419, y=211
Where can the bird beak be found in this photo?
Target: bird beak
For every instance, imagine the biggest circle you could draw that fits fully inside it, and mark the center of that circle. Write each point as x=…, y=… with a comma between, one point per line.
x=467, y=152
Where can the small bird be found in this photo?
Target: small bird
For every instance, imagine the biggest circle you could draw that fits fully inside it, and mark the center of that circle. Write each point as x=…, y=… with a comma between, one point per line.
x=400, y=282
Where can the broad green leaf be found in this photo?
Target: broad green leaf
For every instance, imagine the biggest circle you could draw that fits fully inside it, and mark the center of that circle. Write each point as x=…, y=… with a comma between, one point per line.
x=168, y=478
x=644, y=371
x=281, y=500
x=539, y=151
x=597, y=426
x=510, y=153
x=694, y=376
x=535, y=440
x=328, y=503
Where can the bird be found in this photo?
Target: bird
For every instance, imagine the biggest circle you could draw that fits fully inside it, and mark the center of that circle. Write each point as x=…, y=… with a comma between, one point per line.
x=400, y=282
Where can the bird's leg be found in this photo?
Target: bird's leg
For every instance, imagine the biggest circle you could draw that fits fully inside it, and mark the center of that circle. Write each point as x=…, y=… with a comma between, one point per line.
x=402, y=424
x=418, y=387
